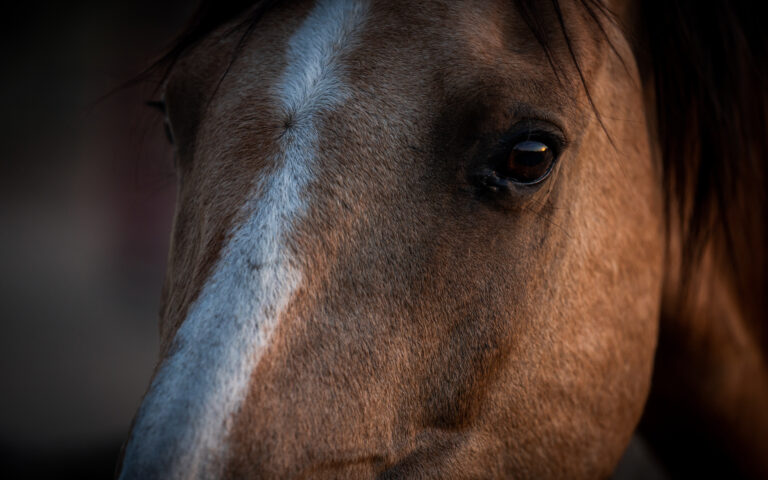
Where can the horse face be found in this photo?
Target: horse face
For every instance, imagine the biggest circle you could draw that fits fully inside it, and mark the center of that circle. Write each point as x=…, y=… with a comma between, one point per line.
x=373, y=273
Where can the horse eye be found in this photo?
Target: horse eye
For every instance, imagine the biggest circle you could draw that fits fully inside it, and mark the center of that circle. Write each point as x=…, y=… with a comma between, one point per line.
x=528, y=162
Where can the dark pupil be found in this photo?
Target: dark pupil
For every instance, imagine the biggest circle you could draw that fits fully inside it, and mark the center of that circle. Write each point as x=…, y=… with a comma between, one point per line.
x=528, y=161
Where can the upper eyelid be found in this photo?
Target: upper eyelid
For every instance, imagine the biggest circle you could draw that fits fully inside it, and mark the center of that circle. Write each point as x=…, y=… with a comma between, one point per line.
x=526, y=129
x=539, y=126
x=540, y=116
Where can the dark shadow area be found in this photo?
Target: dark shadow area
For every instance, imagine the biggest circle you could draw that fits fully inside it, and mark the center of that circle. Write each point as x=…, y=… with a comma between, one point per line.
x=97, y=462
x=86, y=199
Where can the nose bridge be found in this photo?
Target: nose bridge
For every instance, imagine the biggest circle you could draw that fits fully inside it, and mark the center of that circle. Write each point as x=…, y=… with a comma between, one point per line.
x=182, y=426
x=187, y=410
x=184, y=420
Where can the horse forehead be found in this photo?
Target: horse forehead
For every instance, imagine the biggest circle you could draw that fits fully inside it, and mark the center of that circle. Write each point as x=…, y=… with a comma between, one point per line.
x=299, y=86
x=328, y=87
x=412, y=38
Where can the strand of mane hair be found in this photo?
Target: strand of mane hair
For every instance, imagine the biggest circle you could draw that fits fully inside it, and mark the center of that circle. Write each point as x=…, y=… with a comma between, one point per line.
x=710, y=74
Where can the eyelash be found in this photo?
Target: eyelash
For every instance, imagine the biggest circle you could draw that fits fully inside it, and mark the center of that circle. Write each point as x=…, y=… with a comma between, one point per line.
x=536, y=130
x=159, y=105
x=168, y=132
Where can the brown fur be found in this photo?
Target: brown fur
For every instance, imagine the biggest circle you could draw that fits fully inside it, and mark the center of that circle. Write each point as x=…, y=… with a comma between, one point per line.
x=440, y=334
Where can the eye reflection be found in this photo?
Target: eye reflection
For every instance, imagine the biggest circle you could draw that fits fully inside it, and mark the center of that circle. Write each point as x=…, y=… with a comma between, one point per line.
x=529, y=161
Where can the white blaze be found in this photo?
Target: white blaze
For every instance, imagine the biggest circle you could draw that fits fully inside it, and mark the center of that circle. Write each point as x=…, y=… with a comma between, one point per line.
x=182, y=425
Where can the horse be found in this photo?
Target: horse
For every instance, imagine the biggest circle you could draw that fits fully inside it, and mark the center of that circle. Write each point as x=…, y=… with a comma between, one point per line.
x=461, y=239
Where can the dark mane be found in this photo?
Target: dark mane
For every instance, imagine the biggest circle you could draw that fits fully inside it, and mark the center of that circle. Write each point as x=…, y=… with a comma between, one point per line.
x=707, y=65
x=709, y=73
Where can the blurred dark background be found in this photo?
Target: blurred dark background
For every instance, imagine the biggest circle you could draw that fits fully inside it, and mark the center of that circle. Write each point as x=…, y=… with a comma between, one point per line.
x=86, y=202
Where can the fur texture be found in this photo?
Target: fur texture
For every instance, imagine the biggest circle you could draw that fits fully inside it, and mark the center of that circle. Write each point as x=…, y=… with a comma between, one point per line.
x=429, y=327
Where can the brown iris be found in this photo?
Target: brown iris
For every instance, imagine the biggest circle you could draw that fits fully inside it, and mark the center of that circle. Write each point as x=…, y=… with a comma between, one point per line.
x=529, y=161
